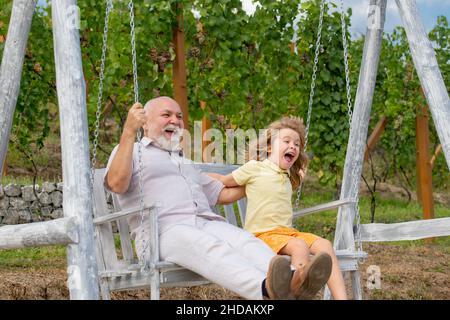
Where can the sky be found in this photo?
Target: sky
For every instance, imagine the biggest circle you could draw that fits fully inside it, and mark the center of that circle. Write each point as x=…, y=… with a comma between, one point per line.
x=429, y=10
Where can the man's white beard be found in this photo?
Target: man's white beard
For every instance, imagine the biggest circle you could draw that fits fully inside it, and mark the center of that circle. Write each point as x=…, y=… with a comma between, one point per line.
x=172, y=144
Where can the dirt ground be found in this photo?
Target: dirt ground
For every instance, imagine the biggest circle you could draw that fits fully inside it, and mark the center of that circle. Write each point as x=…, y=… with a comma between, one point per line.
x=407, y=272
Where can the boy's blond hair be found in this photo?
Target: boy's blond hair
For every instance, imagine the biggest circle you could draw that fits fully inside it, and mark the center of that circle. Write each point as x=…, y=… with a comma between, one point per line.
x=264, y=143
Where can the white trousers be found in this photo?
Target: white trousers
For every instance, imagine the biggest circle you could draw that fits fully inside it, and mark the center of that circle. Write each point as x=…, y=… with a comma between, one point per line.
x=222, y=253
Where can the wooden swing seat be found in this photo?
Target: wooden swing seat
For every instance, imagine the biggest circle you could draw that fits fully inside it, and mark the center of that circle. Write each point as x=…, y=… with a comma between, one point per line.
x=120, y=269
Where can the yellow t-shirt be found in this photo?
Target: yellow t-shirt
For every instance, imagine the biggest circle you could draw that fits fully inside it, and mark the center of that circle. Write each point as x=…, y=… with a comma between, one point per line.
x=269, y=192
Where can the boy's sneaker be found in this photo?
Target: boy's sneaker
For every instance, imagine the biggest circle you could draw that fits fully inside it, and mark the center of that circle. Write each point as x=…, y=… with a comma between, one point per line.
x=278, y=281
x=308, y=280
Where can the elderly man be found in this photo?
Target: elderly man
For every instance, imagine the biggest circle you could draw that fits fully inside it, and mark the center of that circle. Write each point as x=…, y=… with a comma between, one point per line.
x=190, y=234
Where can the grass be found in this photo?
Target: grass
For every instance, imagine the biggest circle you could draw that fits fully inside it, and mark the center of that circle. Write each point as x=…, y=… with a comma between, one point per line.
x=39, y=257
x=440, y=269
x=21, y=180
x=42, y=257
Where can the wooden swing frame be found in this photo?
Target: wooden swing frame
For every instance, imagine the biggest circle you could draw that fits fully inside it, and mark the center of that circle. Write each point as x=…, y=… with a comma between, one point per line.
x=76, y=228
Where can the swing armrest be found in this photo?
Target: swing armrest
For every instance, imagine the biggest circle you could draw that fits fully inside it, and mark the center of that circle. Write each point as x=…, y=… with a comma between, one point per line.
x=324, y=207
x=120, y=214
x=349, y=254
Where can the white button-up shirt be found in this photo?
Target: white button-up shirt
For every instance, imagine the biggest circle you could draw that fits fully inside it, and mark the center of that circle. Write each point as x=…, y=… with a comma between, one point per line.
x=171, y=182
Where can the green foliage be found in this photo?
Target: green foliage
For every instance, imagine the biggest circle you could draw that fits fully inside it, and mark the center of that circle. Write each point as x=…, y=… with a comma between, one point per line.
x=397, y=96
x=153, y=21
x=440, y=35
x=38, y=89
x=402, y=95
x=329, y=122
x=246, y=72
x=43, y=257
x=240, y=65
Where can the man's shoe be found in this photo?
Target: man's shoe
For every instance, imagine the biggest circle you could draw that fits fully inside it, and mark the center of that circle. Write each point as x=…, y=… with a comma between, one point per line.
x=278, y=281
x=308, y=280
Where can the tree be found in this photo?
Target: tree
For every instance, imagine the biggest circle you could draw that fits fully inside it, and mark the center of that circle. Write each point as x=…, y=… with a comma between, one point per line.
x=35, y=104
x=241, y=65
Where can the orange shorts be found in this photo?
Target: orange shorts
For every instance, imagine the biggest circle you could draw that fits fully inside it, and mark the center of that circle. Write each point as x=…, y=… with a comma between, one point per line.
x=277, y=238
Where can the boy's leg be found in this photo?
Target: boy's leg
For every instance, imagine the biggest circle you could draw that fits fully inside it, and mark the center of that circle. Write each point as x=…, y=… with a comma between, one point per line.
x=310, y=275
x=336, y=282
x=298, y=250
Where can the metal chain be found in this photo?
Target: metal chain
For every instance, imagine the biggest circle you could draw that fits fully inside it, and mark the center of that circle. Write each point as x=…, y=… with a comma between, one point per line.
x=109, y=6
x=133, y=51
x=347, y=71
x=311, y=93
x=355, y=185
x=145, y=263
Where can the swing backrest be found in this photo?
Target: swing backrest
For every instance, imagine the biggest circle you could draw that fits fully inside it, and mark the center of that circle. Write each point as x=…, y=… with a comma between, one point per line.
x=229, y=209
x=105, y=203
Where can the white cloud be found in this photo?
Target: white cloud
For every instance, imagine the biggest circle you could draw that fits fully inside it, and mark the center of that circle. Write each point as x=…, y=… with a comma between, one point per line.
x=428, y=10
x=249, y=6
x=433, y=2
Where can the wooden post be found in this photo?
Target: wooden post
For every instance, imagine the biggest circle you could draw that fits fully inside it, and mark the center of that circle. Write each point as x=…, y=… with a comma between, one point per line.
x=435, y=154
x=11, y=67
x=344, y=238
x=375, y=136
x=292, y=46
x=428, y=71
x=421, y=122
x=60, y=231
x=4, y=170
x=206, y=125
x=360, y=122
x=423, y=166
x=179, y=66
x=77, y=201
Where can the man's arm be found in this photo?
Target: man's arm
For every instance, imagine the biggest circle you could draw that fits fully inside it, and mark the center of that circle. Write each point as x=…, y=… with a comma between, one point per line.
x=227, y=180
x=119, y=174
x=231, y=194
x=232, y=191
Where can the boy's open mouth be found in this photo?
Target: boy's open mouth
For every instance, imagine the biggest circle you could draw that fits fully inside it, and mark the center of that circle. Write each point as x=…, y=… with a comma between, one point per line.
x=289, y=156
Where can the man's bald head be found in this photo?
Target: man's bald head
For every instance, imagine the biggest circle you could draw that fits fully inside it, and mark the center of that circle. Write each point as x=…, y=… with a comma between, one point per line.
x=160, y=103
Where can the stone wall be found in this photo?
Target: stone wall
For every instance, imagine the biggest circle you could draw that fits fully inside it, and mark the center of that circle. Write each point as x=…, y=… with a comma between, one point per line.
x=22, y=204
